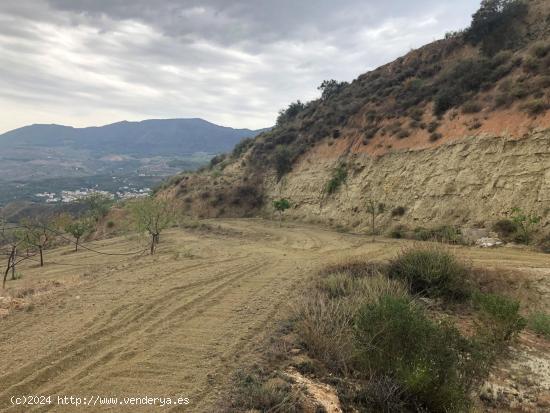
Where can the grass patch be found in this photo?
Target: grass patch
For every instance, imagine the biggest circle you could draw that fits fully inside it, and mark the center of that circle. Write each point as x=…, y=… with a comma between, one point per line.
x=432, y=272
x=499, y=317
x=540, y=323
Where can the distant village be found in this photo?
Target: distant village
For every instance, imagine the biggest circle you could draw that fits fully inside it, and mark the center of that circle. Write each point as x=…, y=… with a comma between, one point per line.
x=72, y=196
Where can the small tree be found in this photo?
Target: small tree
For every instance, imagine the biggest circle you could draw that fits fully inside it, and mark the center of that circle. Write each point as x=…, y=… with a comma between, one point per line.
x=525, y=223
x=374, y=209
x=14, y=239
x=152, y=216
x=281, y=205
x=78, y=229
x=38, y=235
x=330, y=88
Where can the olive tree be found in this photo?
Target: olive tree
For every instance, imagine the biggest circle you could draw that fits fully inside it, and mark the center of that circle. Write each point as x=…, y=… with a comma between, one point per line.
x=151, y=216
x=78, y=229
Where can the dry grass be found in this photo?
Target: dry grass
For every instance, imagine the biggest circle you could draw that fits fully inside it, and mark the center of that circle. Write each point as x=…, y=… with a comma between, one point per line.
x=325, y=316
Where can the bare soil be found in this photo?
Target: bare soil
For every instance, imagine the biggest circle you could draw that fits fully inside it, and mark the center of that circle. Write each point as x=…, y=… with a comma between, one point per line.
x=181, y=322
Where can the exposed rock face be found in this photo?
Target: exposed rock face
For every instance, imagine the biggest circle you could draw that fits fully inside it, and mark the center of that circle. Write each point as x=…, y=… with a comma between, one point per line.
x=471, y=181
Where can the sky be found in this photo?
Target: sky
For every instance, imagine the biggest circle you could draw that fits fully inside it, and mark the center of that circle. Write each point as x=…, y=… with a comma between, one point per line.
x=232, y=62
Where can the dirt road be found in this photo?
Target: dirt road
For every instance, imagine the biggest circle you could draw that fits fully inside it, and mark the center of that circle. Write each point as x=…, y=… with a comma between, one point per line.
x=177, y=324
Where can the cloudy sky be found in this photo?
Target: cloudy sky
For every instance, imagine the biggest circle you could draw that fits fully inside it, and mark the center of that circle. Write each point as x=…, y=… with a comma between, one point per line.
x=233, y=62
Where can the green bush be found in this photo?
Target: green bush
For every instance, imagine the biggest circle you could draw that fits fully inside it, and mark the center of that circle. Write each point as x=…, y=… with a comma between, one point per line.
x=428, y=361
x=500, y=321
x=433, y=272
x=283, y=161
x=447, y=234
x=339, y=177
x=540, y=324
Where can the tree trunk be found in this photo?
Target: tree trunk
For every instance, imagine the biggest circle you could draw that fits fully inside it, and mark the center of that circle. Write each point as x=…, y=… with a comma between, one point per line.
x=14, y=254
x=8, y=269
x=373, y=228
x=40, y=249
x=76, y=245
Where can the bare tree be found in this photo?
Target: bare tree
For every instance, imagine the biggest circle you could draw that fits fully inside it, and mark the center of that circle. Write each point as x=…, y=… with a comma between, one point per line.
x=38, y=235
x=152, y=216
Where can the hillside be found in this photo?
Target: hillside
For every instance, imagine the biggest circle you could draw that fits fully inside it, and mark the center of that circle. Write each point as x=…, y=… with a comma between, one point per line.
x=454, y=132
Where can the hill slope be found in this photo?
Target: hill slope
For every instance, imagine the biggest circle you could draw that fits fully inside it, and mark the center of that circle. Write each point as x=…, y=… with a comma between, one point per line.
x=455, y=132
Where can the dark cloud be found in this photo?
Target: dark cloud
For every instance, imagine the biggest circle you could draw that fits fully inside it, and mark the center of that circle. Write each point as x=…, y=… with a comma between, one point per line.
x=233, y=62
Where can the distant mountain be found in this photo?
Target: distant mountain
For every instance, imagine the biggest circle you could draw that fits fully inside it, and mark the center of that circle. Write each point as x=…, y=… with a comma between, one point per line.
x=153, y=137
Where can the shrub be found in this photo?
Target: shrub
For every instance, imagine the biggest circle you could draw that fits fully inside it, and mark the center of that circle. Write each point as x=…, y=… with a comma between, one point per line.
x=525, y=224
x=398, y=232
x=535, y=107
x=339, y=177
x=448, y=234
x=266, y=394
x=493, y=25
x=398, y=211
x=435, y=136
x=283, y=161
x=540, y=49
x=544, y=243
x=500, y=316
x=422, y=234
x=433, y=272
x=540, y=324
x=505, y=229
x=325, y=316
x=403, y=133
x=427, y=360
x=290, y=113
x=471, y=107
x=242, y=147
x=433, y=126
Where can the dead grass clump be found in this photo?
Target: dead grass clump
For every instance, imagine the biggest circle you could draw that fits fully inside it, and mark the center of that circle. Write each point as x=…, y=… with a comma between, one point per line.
x=258, y=391
x=354, y=267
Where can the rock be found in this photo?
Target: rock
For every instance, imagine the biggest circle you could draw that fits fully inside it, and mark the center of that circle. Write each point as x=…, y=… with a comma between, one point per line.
x=489, y=242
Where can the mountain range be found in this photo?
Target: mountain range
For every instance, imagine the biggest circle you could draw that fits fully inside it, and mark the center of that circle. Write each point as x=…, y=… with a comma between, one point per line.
x=146, y=138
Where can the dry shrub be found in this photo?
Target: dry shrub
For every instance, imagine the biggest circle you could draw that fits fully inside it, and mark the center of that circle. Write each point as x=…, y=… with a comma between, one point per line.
x=325, y=316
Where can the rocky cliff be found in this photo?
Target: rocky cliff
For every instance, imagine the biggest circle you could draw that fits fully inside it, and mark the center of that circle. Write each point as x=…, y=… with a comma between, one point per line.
x=471, y=181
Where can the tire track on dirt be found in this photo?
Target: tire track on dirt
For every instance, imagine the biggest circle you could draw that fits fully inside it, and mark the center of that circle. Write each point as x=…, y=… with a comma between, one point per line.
x=105, y=335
